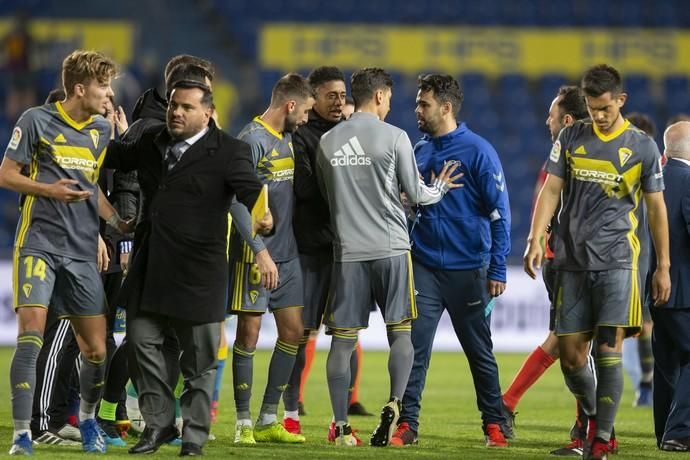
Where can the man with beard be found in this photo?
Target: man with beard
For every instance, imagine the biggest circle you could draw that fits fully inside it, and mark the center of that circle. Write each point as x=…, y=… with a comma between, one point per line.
x=149, y=113
x=189, y=172
x=314, y=234
x=258, y=263
x=459, y=255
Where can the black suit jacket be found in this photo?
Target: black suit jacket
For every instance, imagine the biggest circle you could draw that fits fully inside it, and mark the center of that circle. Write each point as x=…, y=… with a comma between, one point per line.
x=677, y=198
x=180, y=268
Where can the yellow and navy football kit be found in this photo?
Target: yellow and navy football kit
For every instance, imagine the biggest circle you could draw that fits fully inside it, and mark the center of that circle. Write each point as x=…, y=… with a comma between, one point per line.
x=605, y=177
x=56, y=243
x=273, y=158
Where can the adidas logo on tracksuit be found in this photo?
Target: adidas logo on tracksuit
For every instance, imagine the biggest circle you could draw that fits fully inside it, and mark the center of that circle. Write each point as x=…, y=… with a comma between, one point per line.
x=350, y=154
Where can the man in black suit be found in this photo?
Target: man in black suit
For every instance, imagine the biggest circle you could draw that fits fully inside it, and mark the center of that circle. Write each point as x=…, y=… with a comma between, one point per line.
x=671, y=334
x=188, y=171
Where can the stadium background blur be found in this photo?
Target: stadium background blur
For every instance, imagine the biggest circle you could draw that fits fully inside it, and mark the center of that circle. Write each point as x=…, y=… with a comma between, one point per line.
x=509, y=55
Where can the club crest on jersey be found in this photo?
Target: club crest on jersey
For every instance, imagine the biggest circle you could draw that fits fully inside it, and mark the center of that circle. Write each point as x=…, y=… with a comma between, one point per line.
x=253, y=295
x=16, y=137
x=26, y=288
x=555, y=152
x=94, y=137
x=624, y=155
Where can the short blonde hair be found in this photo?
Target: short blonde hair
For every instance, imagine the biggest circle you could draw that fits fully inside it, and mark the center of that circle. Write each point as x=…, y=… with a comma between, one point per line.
x=84, y=66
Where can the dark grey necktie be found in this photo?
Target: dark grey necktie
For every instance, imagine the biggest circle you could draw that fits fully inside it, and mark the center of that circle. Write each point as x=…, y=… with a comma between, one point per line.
x=174, y=154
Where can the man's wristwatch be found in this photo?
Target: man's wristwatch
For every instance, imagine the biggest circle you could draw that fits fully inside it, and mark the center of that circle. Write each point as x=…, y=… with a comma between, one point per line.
x=115, y=221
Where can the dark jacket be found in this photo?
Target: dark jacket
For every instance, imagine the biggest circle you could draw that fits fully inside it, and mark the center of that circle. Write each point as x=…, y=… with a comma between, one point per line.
x=180, y=268
x=468, y=228
x=311, y=222
x=122, y=188
x=149, y=112
x=677, y=197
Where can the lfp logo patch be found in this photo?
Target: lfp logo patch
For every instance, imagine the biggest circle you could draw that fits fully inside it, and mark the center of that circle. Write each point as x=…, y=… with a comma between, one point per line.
x=15, y=139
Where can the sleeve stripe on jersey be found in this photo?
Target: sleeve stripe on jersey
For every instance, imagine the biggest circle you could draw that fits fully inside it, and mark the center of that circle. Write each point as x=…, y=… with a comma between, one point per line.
x=27, y=207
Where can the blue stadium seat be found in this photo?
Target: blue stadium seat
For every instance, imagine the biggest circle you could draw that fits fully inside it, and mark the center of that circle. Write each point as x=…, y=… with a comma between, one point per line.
x=641, y=102
x=368, y=9
x=472, y=81
x=662, y=14
x=486, y=12
x=676, y=84
x=634, y=83
x=512, y=90
x=550, y=13
x=475, y=90
x=676, y=90
x=267, y=79
x=682, y=13
x=246, y=32
x=547, y=88
x=639, y=92
x=622, y=13
x=556, y=13
x=519, y=13
x=484, y=122
x=592, y=13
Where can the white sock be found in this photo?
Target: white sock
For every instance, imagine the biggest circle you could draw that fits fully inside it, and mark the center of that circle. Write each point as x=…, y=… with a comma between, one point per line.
x=86, y=415
x=17, y=433
x=244, y=422
x=293, y=414
x=267, y=419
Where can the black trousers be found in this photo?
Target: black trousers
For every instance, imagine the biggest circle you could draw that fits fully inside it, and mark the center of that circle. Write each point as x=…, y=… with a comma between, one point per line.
x=671, y=347
x=56, y=375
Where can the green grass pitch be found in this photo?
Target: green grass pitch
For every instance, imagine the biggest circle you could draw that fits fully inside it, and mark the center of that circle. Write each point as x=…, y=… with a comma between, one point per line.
x=450, y=425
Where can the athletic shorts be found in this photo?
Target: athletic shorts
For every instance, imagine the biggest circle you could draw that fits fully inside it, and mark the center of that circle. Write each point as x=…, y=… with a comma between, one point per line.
x=588, y=300
x=548, y=274
x=356, y=286
x=72, y=287
x=248, y=295
x=316, y=274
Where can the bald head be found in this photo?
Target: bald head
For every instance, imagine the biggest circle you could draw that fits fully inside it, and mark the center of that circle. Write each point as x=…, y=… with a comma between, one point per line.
x=677, y=140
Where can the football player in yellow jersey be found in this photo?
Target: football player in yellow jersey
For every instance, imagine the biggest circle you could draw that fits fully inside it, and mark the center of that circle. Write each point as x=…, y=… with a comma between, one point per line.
x=599, y=170
x=265, y=272
x=53, y=160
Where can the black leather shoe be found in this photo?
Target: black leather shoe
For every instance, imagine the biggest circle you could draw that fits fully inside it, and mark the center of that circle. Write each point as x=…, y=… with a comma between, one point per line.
x=190, y=449
x=151, y=439
x=676, y=445
x=357, y=408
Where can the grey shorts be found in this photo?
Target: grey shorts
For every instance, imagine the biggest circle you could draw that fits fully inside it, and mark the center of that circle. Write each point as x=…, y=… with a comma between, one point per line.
x=357, y=286
x=588, y=300
x=72, y=287
x=316, y=274
x=247, y=295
